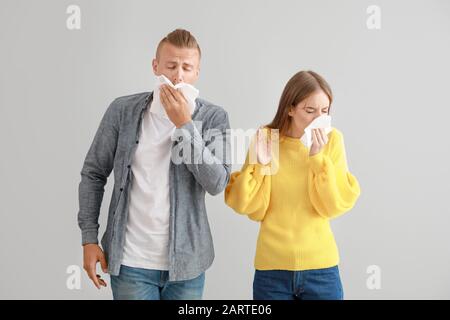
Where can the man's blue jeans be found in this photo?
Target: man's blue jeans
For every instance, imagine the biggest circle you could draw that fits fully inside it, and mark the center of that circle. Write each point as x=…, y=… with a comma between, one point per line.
x=146, y=284
x=318, y=284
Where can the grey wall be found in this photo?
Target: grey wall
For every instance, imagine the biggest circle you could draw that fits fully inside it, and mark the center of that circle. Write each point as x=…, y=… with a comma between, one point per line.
x=391, y=103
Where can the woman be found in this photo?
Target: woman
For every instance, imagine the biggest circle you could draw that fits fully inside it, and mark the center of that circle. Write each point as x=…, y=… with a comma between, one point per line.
x=296, y=255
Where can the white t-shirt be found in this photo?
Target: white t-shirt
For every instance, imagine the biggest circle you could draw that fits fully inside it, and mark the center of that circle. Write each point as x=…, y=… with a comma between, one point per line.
x=147, y=232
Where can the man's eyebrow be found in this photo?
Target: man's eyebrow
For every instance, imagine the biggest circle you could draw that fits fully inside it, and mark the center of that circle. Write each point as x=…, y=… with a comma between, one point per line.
x=176, y=62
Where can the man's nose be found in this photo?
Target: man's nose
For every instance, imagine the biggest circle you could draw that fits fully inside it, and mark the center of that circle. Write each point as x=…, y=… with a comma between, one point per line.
x=178, y=77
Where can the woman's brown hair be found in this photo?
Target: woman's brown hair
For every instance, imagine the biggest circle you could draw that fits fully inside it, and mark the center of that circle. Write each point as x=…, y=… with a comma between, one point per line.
x=298, y=88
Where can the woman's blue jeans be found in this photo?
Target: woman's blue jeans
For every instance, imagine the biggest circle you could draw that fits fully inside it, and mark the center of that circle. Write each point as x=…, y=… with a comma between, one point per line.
x=317, y=284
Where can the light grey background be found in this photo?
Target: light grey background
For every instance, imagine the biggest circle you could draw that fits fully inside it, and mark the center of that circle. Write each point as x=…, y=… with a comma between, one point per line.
x=391, y=103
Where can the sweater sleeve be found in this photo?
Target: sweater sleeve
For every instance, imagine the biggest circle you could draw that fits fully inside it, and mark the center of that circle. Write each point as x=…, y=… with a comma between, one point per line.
x=248, y=191
x=332, y=189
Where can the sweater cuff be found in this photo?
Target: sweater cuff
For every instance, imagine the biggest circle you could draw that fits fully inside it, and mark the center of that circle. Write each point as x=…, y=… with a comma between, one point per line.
x=259, y=170
x=317, y=162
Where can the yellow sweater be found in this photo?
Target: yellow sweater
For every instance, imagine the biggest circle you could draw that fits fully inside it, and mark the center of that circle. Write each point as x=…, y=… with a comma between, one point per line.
x=295, y=204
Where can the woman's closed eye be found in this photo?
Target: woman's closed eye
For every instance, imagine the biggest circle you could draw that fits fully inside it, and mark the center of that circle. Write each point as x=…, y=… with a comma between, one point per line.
x=312, y=111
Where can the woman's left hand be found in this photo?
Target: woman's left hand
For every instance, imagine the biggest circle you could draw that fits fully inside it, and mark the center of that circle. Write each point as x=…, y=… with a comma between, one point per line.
x=320, y=139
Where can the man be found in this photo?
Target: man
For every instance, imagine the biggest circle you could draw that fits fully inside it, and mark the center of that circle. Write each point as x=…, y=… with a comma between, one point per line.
x=157, y=243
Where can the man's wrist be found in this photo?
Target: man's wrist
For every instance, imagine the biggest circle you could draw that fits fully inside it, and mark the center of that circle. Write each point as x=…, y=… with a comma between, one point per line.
x=183, y=123
x=86, y=244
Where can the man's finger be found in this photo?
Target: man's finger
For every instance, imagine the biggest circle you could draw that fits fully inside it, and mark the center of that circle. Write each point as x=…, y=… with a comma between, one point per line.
x=169, y=97
x=93, y=276
x=182, y=97
x=173, y=93
x=163, y=97
x=169, y=94
x=179, y=95
x=103, y=264
x=101, y=281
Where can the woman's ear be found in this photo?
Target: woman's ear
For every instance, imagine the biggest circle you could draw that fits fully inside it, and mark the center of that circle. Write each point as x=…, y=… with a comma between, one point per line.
x=291, y=110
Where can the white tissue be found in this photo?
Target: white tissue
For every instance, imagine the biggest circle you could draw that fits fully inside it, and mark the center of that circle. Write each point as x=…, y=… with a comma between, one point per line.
x=188, y=91
x=323, y=121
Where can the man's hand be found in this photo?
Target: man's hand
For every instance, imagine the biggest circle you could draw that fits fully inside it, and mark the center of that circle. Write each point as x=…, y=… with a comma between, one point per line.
x=175, y=104
x=92, y=254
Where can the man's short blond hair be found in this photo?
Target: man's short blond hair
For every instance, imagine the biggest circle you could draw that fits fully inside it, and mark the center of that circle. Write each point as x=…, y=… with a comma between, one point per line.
x=180, y=38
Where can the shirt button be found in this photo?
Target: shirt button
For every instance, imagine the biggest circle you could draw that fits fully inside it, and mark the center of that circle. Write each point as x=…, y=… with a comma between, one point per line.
x=121, y=189
x=137, y=141
x=128, y=166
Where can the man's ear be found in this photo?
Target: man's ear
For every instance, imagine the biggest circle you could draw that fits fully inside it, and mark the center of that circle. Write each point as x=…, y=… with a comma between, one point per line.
x=155, y=66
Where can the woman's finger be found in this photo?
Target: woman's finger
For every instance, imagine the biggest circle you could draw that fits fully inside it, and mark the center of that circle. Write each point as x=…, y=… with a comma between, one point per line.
x=263, y=147
x=314, y=138
x=324, y=135
x=319, y=137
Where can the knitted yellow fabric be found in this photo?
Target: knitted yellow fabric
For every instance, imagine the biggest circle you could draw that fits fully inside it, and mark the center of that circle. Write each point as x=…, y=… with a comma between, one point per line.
x=295, y=204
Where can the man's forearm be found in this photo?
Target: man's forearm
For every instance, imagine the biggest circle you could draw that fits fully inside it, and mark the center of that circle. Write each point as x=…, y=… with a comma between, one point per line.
x=211, y=171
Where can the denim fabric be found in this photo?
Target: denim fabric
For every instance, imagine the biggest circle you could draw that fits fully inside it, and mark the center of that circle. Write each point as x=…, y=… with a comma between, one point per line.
x=146, y=284
x=317, y=284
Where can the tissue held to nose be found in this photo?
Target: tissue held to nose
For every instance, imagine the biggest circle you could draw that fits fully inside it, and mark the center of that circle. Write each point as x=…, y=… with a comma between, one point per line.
x=323, y=121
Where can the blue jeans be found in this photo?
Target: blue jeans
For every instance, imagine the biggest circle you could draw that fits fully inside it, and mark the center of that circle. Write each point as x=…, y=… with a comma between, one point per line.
x=146, y=284
x=318, y=284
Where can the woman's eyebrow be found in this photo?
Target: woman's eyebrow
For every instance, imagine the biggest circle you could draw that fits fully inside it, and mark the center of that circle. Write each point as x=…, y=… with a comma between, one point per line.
x=308, y=107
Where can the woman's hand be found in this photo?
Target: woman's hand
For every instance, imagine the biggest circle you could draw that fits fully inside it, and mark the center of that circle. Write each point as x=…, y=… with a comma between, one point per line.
x=263, y=147
x=320, y=139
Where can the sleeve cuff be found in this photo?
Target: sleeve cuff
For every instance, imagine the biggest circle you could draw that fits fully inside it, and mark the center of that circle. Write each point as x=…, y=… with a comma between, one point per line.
x=186, y=133
x=89, y=236
x=190, y=138
x=317, y=162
